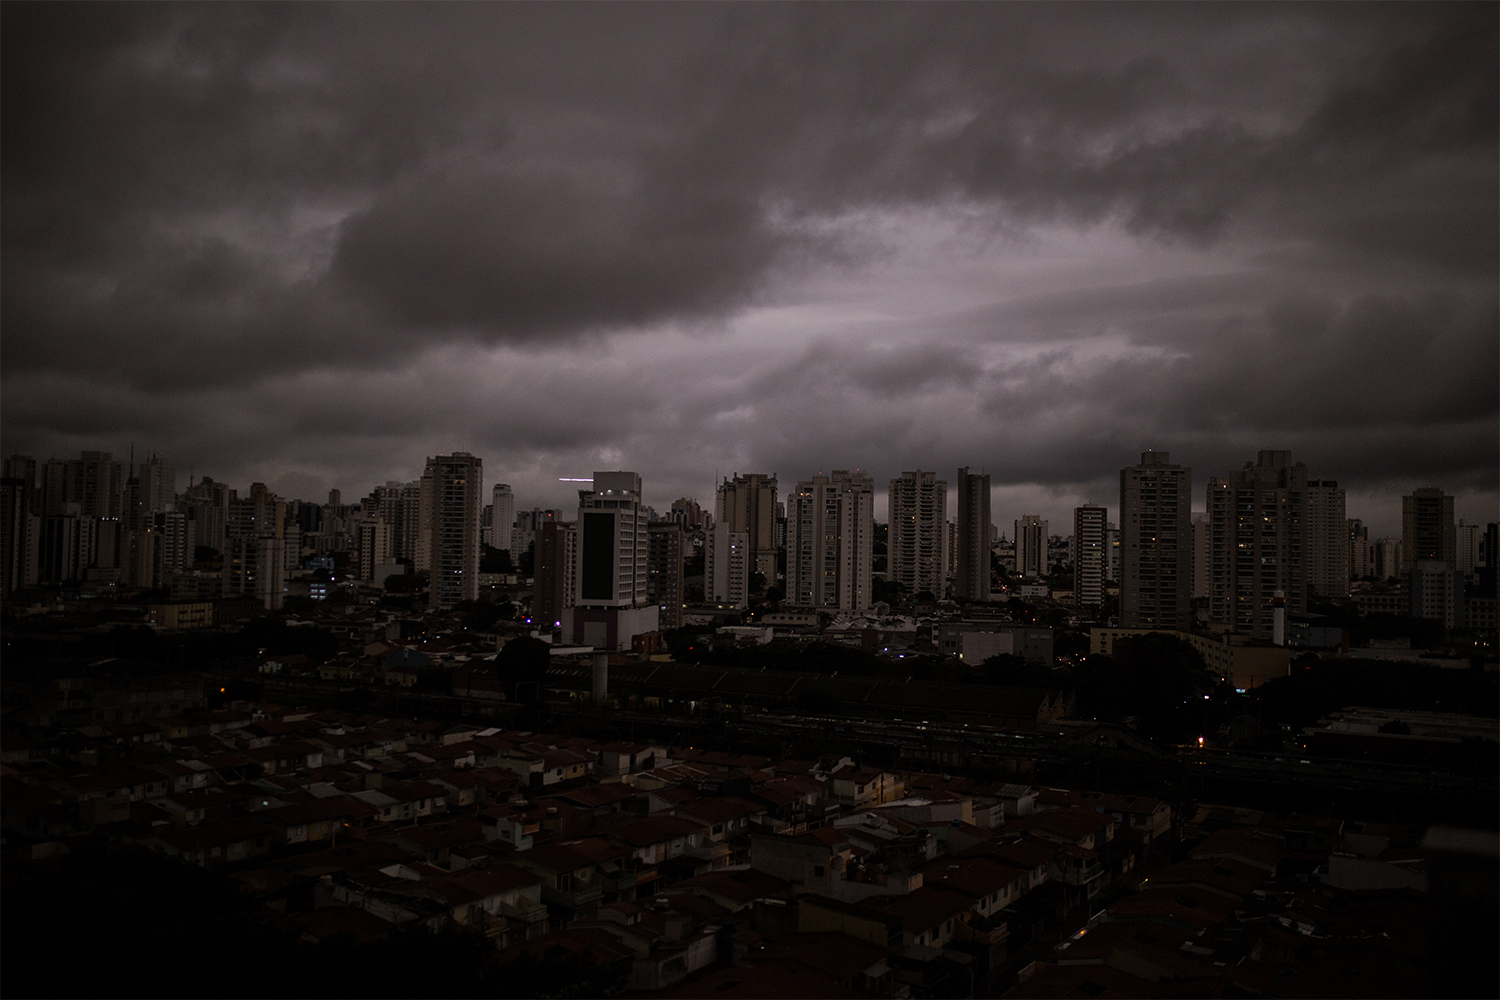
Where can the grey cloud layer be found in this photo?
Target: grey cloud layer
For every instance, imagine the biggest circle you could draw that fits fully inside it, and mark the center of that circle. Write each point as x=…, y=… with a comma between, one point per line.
x=285, y=223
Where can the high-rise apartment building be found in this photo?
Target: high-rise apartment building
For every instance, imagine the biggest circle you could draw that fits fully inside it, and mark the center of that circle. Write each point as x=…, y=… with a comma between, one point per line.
x=156, y=492
x=613, y=605
x=726, y=567
x=1203, y=561
x=1031, y=547
x=254, y=547
x=1436, y=591
x=1427, y=530
x=1466, y=549
x=374, y=548
x=1386, y=558
x=23, y=468
x=830, y=541
x=399, y=507
x=555, y=571
x=64, y=546
x=664, y=580
x=172, y=546
x=1361, y=562
x=971, y=555
x=1156, y=549
x=456, y=486
x=747, y=504
x=20, y=532
x=94, y=481
x=502, y=517
x=687, y=512
x=1274, y=530
x=1090, y=557
x=917, y=542
x=528, y=525
x=1326, y=540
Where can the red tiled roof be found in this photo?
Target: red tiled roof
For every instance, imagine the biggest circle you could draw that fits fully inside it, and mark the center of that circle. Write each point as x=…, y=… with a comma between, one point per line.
x=923, y=909
x=973, y=877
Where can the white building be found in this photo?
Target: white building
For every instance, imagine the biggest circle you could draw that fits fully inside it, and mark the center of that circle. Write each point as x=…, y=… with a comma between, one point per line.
x=502, y=517
x=747, y=504
x=726, y=567
x=453, y=528
x=1090, y=558
x=918, y=540
x=1031, y=547
x=830, y=535
x=613, y=605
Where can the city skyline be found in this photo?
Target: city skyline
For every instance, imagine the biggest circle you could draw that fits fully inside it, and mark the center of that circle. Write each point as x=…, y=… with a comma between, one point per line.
x=312, y=247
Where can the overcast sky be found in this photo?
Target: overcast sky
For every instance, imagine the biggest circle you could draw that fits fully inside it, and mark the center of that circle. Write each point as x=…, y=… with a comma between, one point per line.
x=311, y=245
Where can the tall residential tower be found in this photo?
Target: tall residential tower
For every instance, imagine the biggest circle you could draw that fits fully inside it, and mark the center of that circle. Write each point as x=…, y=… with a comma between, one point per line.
x=455, y=483
x=971, y=555
x=917, y=545
x=830, y=541
x=1156, y=543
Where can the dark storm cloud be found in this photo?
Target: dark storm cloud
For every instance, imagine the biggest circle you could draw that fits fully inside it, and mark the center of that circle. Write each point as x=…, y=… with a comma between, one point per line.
x=286, y=222
x=514, y=257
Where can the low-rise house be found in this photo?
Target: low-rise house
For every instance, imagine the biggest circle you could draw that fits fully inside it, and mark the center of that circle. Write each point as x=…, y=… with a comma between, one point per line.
x=512, y=825
x=1141, y=818
x=928, y=915
x=899, y=845
x=727, y=820
x=810, y=862
x=989, y=885
x=598, y=800
x=617, y=759
x=858, y=788
x=1034, y=859
x=657, y=840
x=405, y=801
x=319, y=820
x=1256, y=848
x=734, y=890
x=506, y=900
x=212, y=844
x=193, y=807
x=286, y=758
x=455, y=755
x=135, y=784
x=578, y=875
x=1072, y=826
x=432, y=842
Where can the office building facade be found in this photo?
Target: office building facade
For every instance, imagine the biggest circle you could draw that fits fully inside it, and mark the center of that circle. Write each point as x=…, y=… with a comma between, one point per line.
x=612, y=602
